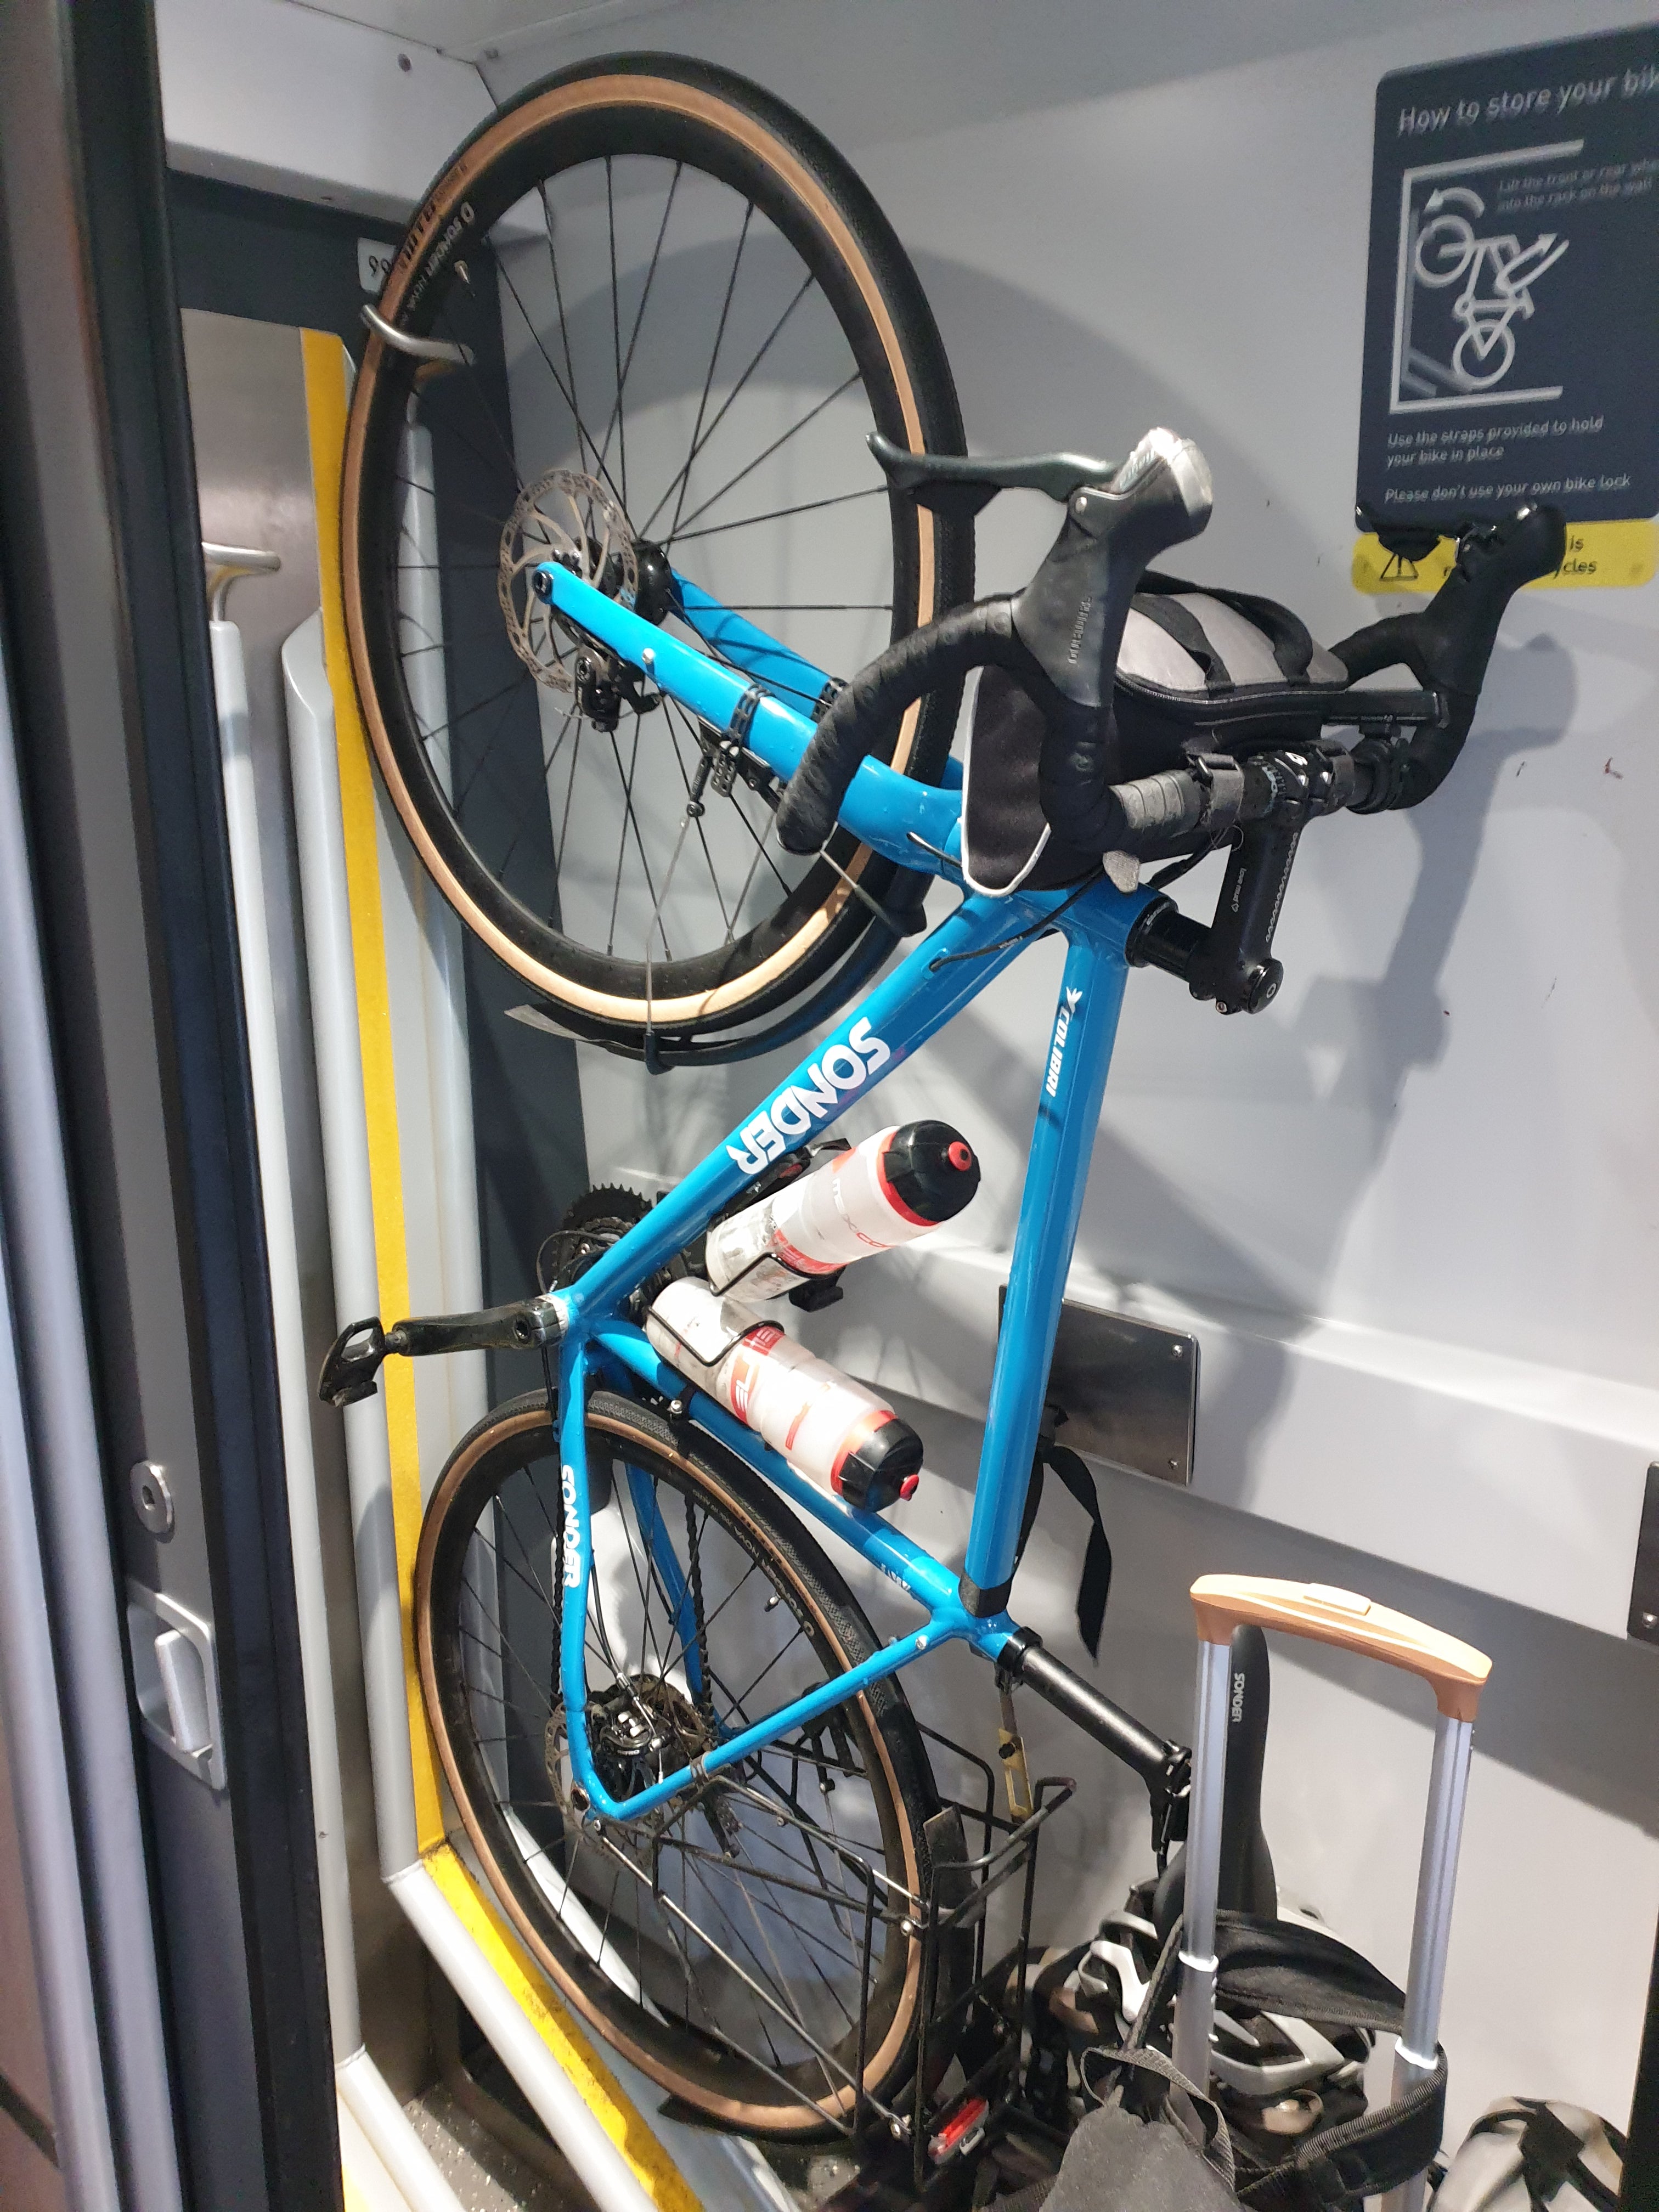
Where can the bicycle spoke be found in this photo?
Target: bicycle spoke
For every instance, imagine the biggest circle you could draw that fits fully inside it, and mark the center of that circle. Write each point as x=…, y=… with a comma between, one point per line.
x=551, y=761
x=677, y=487
x=793, y=431
x=569, y=793
x=645, y=295
x=499, y=435
x=452, y=505
x=584, y=440
x=616, y=341
x=703, y=834
x=776, y=514
x=629, y=822
x=724, y=408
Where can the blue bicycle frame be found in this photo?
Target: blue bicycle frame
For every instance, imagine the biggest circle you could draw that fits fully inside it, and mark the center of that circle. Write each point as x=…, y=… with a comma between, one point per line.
x=919, y=827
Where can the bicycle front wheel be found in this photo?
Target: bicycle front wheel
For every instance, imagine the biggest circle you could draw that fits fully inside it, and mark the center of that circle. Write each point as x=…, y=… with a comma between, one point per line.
x=725, y=1943
x=672, y=314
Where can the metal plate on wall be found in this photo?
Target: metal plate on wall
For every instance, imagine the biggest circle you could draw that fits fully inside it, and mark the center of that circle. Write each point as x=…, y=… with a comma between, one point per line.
x=1129, y=1388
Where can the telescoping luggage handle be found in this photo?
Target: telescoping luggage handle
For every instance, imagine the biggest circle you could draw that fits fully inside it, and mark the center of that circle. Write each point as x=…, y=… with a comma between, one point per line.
x=1457, y=1674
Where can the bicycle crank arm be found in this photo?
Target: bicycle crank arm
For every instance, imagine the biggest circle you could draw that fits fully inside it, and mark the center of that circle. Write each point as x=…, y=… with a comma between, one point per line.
x=1165, y=1768
x=352, y=1366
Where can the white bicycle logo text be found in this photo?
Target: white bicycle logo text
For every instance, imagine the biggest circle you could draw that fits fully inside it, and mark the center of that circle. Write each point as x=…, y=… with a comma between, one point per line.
x=1496, y=274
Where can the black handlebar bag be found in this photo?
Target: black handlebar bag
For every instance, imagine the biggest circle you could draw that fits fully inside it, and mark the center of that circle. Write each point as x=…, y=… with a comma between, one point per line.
x=1198, y=668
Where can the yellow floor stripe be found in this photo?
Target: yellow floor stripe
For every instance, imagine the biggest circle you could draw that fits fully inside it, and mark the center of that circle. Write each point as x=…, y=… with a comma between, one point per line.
x=326, y=371
x=600, y=2090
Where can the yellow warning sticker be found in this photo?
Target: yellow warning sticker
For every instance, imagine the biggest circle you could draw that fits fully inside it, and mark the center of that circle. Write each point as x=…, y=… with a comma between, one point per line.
x=1599, y=554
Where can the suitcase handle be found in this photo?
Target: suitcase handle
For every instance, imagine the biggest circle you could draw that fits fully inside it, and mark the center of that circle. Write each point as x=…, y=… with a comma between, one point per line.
x=1457, y=1672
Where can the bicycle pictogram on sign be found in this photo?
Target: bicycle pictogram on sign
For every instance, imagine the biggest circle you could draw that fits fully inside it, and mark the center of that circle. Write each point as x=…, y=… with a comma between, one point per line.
x=1466, y=284
x=1496, y=274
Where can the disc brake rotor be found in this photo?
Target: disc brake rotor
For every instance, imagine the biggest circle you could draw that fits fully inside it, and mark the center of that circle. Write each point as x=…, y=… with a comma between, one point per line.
x=573, y=520
x=640, y=1730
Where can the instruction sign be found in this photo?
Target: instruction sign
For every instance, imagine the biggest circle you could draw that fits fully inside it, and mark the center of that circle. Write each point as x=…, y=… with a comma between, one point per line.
x=1512, y=307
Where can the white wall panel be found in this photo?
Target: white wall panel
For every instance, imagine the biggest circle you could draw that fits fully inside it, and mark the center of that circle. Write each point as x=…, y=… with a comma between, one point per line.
x=262, y=92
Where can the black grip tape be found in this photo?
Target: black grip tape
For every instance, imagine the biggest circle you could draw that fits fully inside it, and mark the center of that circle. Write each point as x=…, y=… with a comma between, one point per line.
x=863, y=718
x=1449, y=643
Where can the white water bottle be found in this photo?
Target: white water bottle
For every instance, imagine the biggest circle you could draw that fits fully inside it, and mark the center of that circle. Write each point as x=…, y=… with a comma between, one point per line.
x=894, y=1187
x=826, y=1425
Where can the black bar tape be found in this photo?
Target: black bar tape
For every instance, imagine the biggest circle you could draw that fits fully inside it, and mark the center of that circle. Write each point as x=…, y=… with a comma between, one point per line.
x=1165, y=805
x=863, y=718
x=1449, y=643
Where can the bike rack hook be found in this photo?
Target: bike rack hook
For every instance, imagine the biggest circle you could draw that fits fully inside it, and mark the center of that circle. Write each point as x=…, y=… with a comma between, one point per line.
x=445, y=349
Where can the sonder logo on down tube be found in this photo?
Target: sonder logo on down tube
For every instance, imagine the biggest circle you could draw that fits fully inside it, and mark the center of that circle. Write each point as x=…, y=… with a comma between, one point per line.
x=573, y=1534
x=1057, y=1050
x=789, y=1117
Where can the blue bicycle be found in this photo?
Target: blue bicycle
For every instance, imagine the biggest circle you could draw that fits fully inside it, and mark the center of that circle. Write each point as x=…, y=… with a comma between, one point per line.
x=670, y=1732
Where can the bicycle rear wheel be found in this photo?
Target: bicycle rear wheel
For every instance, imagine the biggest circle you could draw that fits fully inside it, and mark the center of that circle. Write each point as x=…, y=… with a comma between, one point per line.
x=682, y=314
x=720, y=1943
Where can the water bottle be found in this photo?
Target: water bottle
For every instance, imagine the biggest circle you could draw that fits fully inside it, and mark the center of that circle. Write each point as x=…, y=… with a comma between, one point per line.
x=894, y=1187
x=828, y=1427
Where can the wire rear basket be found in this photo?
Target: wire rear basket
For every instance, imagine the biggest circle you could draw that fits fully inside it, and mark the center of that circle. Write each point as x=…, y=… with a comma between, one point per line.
x=979, y=2019
x=973, y=1989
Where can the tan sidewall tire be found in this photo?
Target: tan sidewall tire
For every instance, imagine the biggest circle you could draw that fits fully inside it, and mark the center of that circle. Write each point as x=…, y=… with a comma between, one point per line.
x=559, y=102
x=793, y=2119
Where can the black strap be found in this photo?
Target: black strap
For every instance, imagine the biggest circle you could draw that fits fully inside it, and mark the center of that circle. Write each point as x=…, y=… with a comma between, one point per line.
x=1286, y=633
x=1552, y=2153
x=1365, y=2157
x=1181, y=624
x=1095, y=1586
x=1216, y=2147
x=1278, y=1966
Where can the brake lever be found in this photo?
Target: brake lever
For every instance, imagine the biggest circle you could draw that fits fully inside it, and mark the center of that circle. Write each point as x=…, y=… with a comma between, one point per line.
x=961, y=484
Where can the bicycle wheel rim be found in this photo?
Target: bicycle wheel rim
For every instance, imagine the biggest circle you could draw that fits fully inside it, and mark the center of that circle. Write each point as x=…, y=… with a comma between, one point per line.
x=758, y=148
x=679, y=2058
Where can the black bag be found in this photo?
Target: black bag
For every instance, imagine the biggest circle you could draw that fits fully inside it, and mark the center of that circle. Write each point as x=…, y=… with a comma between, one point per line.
x=1185, y=649
x=1264, y=1965
x=1117, y=2160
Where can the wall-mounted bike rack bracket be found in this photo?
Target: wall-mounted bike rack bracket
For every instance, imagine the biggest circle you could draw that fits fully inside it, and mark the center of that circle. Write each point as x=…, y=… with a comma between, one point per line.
x=1129, y=1390
x=175, y=1673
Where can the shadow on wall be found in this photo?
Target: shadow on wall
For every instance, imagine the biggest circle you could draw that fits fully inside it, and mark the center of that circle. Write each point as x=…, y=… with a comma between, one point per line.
x=1567, y=1708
